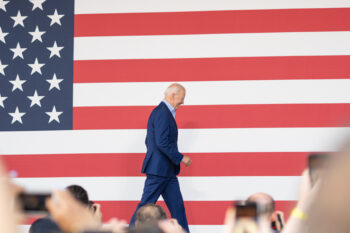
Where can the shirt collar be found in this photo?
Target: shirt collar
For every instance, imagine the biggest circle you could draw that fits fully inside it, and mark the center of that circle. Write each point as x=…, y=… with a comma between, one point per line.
x=170, y=107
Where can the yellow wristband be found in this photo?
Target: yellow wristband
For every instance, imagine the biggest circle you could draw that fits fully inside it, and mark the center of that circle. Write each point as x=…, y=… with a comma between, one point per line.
x=298, y=213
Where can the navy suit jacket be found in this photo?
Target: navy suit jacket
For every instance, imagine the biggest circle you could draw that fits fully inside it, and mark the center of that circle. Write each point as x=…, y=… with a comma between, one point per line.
x=163, y=157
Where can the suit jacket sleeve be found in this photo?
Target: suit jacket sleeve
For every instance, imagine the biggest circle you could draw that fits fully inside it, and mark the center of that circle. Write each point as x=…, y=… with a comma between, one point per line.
x=163, y=142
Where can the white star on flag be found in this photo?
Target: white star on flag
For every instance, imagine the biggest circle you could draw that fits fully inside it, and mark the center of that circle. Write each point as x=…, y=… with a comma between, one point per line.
x=18, y=19
x=2, y=35
x=54, y=82
x=17, y=83
x=2, y=98
x=2, y=67
x=55, y=18
x=18, y=51
x=35, y=99
x=37, y=4
x=55, y=50
x=54, y=115
x=17, y=116
x=3, y=4
x=36, y=66
x=37, y=34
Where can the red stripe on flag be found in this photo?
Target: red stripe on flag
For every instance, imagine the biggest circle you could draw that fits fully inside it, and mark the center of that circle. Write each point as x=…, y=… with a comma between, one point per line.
x=212, y=69
x=217, y=116
x=212, y=22
x=97, y=165
x=198, y=212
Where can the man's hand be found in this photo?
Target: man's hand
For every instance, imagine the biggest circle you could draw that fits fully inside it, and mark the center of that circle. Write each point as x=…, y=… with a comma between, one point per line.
x=187, y=161
x=10, y=213
x=116, y=226
x=170, y=226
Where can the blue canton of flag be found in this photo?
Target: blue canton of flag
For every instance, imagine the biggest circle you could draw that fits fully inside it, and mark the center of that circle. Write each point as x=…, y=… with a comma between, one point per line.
x=36, y=64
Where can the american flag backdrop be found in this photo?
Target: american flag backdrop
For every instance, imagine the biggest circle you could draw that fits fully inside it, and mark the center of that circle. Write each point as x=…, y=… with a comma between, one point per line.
x=267, y=82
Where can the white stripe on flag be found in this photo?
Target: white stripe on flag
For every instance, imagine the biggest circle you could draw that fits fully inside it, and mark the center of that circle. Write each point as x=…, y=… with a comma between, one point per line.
x=190, y=140
x=207, y=228
x=212, y=45
x=122, y=6
x=215, y=92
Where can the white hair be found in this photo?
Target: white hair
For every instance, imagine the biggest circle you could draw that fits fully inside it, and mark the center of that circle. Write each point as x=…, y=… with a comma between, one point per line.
x=173, y=89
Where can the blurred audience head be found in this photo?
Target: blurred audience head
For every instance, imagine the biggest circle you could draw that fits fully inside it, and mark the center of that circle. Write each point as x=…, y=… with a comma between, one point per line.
x=47, y=225
x=149, y=213
x=267, y=208
x=70, y=214
x=265, y=201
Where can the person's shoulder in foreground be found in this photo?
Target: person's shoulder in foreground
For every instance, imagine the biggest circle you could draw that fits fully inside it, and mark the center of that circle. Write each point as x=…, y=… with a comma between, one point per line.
x=44, y=225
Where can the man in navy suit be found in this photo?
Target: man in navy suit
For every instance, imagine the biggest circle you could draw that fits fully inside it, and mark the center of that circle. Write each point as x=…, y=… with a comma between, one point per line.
x=162, y=161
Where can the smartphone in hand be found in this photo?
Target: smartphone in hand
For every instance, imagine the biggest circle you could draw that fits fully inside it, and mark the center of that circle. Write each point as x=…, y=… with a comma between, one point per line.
x=33, y=203
x=246, y=217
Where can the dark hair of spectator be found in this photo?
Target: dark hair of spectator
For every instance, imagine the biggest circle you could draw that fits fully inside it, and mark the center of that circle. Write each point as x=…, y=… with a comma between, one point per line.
x=79, y=193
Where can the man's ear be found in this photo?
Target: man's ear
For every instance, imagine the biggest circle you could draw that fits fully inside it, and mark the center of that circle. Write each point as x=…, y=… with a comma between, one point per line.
x=172, y=96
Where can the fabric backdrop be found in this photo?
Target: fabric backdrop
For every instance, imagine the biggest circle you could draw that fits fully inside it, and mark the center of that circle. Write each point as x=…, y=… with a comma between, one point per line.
x=267, y=83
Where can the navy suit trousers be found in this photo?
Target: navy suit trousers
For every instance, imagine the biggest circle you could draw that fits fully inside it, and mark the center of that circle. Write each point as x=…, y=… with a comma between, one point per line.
x=169, y=188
